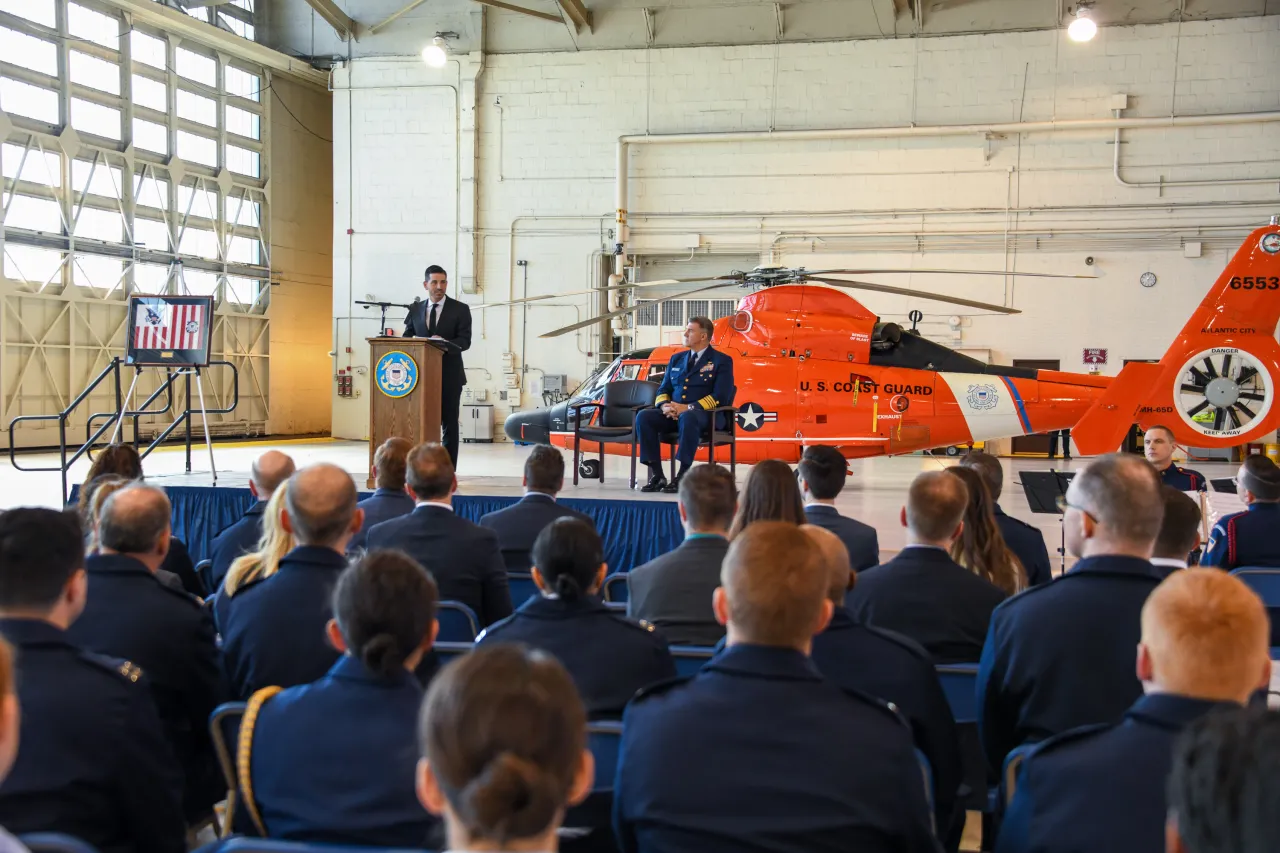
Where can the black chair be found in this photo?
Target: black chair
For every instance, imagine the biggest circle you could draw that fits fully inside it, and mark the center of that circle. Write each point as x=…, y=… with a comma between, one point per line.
x=458, y=622
x=711, y=439
x=617, y=421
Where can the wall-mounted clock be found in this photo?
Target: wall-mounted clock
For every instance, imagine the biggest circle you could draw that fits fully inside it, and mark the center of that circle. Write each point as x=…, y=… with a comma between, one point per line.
x=1148, y=279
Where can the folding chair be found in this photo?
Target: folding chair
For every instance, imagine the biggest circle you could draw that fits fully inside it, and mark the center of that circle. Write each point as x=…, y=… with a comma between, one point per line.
x=54, y=842
x=1266, y=583
x=204, y=569
x=522, y=587
x=224, y=728
x=450, y=651
x=690, y=659
x=1013, y=764
x=615, y=587
x=711, y=438
x=588, y=825
x=960, y=684
x=458, y=622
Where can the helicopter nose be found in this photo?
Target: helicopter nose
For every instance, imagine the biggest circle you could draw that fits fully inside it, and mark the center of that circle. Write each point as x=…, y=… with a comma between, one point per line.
x=531, y=427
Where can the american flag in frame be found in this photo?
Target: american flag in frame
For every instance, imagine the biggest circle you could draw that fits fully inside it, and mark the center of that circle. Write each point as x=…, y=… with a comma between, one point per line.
x=170, y=330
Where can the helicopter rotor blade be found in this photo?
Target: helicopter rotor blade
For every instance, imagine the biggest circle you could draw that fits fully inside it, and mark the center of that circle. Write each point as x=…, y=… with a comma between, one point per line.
x=555, y=333
x=946, y=272
x=902, y=291
x=605, y=289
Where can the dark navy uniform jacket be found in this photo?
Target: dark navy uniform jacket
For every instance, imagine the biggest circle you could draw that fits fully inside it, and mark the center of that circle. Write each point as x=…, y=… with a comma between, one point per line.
x=333, y=761
x=709, y=385
x=1184, y=479
x=673, y=591
x=129, y=614
x=929, y=597
x=1027, y=544
x=1249, y=538
x=237, y=539
x=93, y=762
x=273, y=631
x=463, y=557
x=859, y=539
x=609, y=656
x=1061, y=655
x=758, y=752
x=894, y=668
x=1101, y=789
x=178, y=562
x=382, y=505
x=519, y=524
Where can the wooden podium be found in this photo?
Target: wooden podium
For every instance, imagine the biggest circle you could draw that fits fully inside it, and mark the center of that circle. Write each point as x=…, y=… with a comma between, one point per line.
x=403, y=404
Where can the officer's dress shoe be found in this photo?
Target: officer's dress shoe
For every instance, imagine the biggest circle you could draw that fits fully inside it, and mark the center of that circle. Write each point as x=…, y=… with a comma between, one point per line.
x=674, y=486
x=657, y=483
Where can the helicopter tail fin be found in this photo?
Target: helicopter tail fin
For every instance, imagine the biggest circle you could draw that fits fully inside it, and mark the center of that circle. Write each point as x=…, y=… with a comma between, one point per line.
x=1217, y=383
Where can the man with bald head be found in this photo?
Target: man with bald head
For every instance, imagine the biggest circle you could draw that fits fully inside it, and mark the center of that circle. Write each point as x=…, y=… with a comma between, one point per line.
x=922, y=593
x=1204, y=648
x=882, y=663
x=270, y=471
x=758, y=745
x=1059, y=655
x=273, y=630
x=130, y=614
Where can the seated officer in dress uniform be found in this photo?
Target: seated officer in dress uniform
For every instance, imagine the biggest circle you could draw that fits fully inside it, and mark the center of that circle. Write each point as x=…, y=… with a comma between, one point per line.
x=273, y=629
x=1059, y=656
x=504, y=750
x=881, y=663
x=1102, y=788
x=130, y=614
x=1158, y=445
x=334, y=761
x=269, y=472
x=696, y=381
x=1222, y=764
x=1252, y=537
x=1179, y=532
x=758, y=745
x=1026, y=542
x=94, y=762
x=609, y=656
x=822, y=476
x=518, y=525
x=389, y=500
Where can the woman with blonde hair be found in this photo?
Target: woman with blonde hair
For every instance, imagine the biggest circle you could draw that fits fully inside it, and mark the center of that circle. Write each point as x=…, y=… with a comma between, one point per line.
x=771, y=494
x=264, y=562
x=981, y=549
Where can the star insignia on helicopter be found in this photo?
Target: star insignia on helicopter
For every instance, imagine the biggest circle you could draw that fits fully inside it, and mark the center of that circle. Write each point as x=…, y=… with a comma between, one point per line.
x=752, y=416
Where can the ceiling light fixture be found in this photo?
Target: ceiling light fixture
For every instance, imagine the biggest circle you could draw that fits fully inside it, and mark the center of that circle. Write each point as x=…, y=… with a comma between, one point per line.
x=436, y=54
x=1083, y=28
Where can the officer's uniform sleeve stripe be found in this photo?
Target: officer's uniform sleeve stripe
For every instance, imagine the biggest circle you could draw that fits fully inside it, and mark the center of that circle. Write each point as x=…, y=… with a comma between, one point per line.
x=662, y=398
x=708, y=402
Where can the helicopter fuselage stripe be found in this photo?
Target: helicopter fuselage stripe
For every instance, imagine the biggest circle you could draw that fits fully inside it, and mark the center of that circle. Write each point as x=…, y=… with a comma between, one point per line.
x=1017, y=401
x=986, y=405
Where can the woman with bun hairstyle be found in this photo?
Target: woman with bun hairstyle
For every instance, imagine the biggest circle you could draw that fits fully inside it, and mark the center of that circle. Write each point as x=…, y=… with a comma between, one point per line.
x=333, y=761
x=503, y=736
x=609, y=656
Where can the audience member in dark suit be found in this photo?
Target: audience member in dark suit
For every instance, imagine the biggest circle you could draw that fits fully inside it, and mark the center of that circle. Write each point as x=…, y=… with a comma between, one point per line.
x=674, y=591
x=1027, y=542
x=334, y=761
x=822, y=477
x=1179, y=532
x=980, y=548
x=273, y=629
x=518, y=525
x=129, y=614
x=94, y=762
x=1222, y=765
x=758, y=745
x=444, y=319
x=609, y=656
x=504, y=750
x=891, y=667
x=269, y=472
x=462, y=557
x=1060, y=655
x=390, y=500
x=922, y=593
x=1205, y=647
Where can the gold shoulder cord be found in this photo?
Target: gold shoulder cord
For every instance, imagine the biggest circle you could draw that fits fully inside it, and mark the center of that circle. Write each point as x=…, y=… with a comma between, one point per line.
x=244, y=753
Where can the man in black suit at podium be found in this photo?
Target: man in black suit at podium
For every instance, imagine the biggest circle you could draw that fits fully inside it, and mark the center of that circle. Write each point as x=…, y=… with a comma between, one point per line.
x=443, y=319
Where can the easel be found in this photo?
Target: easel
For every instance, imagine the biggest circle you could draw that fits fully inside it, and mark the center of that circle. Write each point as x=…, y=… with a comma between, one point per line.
x=127, y=401
x=1043, y=489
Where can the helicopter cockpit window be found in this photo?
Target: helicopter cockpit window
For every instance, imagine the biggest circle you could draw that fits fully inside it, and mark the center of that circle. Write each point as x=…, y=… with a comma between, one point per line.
x=630, y=371
x=593, y=385
x=656, y=372
x=741, y=322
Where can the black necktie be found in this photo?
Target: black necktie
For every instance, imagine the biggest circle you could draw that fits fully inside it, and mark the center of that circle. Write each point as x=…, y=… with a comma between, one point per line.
x=694, y=358
x=431, y=324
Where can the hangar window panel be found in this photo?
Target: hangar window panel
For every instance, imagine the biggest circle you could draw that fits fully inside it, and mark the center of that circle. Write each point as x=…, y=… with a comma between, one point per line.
x=96, y=224
x=29, y=263
x=40, y=11
x=242, y=291
x=242, y=211
x=95, y=73
x=150, y=191
x=34, y=214
x=97, y=271
x=243, y=161
x=40, y=167
x=197, y=108
x=88, y=117
x=150, y=93
x=244, y=250
x=94, y=26
x=197, y=149
x=147, y=49
x=243, y=123
x=199, y=282
x=105, y=181
x=197, y=241
x=243, y=84
x=648, y=314
x=196, y=66
x=150, y=278
x=24, y=99
x=721, y=308
x=151, y=234
x=150, y=136
x=697, y=307
x=204, y=205
x=29, y=52
x=673, y=313
x=241, y=28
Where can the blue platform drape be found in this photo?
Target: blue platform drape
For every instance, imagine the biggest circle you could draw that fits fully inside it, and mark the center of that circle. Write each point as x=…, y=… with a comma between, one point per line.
x=634, y=532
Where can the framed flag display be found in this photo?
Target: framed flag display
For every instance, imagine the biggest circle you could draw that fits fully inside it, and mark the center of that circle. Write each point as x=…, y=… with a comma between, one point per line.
x=169, y=330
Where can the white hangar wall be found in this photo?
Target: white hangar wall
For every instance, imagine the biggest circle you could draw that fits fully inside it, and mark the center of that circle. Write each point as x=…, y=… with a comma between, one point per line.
x=513, y=158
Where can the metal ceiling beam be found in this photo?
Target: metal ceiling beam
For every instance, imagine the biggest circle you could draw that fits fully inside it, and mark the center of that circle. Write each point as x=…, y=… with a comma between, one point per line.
x=341, y=22
x=578, y=13
x=533, y=13
x=413, y=4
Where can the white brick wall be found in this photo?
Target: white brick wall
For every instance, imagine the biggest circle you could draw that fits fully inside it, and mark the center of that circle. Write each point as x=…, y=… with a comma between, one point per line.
x=549, y=198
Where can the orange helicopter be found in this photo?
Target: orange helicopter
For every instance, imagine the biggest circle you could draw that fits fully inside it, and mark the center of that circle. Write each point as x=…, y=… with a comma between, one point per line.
x=814, y=366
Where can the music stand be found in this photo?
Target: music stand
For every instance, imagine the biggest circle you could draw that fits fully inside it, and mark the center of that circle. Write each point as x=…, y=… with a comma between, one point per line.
x=1043, y=488
x=1226, y=484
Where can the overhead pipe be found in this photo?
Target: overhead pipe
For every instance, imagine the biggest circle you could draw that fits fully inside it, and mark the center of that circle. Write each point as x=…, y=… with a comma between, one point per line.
x=1161, y=184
